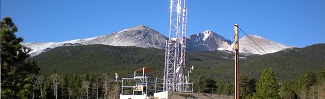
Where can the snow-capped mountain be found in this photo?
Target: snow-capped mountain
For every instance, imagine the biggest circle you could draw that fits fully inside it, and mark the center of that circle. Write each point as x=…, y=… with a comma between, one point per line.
x=145, y=37
x=207, y=41
x=264, y=46
x=139, y=36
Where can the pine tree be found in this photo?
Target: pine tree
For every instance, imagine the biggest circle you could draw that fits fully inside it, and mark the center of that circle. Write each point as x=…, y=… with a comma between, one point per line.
x=286, y=91
x=64, y=87
x=305, y=81
x=321, y=84
x=205, y=85
x=95, y=86
x=247, y=87
x=16, y=69
x=267, y=86
x=321, y=76
x=105, y=85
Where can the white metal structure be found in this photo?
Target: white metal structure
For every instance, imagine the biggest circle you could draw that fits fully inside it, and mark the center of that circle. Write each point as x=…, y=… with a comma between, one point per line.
x=174, y=78
x=140, y=86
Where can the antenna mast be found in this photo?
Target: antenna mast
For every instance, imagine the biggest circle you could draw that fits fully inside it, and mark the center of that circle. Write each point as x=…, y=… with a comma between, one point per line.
x=176, y=48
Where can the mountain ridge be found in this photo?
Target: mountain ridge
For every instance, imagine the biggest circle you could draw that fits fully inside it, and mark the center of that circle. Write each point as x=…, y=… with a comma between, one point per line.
x=146, y=37
x=253, y=44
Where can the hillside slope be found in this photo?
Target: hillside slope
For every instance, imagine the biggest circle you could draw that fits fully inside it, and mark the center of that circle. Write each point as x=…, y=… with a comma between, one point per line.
x=98, y=59
x=288, y=64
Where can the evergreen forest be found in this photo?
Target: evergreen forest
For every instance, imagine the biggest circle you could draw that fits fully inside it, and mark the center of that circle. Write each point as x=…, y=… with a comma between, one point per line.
x=88, y=71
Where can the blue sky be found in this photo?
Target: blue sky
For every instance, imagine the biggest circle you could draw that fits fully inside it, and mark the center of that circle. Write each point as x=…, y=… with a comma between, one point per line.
x=293, y=22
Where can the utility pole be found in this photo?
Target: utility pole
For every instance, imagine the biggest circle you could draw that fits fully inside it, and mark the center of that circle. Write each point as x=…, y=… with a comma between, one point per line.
x=236, y=63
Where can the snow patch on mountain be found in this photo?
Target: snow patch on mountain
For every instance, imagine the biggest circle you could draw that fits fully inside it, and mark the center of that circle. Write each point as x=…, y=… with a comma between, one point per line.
x=39, y=47
x=264, y=46
x=207, y=41
x=206, y=34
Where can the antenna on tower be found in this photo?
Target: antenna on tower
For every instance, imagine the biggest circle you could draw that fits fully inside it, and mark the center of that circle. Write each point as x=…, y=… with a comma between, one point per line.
x=176, y=48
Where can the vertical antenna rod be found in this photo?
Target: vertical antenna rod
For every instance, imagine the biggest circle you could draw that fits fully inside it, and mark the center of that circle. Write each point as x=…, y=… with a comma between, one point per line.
x=236, y=63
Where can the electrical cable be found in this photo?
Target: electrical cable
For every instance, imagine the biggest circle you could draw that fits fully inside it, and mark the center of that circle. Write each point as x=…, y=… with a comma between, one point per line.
x=260, y=47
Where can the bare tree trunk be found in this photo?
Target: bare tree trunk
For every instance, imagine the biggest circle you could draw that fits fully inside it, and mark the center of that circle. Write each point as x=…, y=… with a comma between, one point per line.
x=105, y=85
x=85, y=84
x=39, y=82
x=43, y=89
x=56, y=91
x=97, y=86
x=55, y=81
x=70, y=91
x=314, y=92
x=321, y=91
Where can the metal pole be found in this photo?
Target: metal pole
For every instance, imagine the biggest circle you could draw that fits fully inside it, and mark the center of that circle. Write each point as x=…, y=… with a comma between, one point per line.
x=116, y=76
x=188, y=76
x=122, y=87
x=236, y=63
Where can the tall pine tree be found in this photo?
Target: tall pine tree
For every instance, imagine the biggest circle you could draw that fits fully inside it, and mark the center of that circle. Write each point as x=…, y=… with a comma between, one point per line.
x=267, y=86
x=247, y=87
x=307, y=80
x=16, y=69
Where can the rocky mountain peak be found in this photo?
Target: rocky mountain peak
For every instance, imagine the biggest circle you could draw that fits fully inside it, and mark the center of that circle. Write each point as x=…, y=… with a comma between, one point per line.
x=207, y=41
x=207, y=33
x=141, y=27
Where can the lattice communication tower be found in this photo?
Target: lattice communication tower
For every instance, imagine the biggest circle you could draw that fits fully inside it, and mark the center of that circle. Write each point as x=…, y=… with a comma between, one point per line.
x=174, y=78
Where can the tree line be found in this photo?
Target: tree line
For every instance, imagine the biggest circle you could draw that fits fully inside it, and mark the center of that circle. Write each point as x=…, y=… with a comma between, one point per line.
x=309, y=86
x=20, y=78
x=89, y=86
